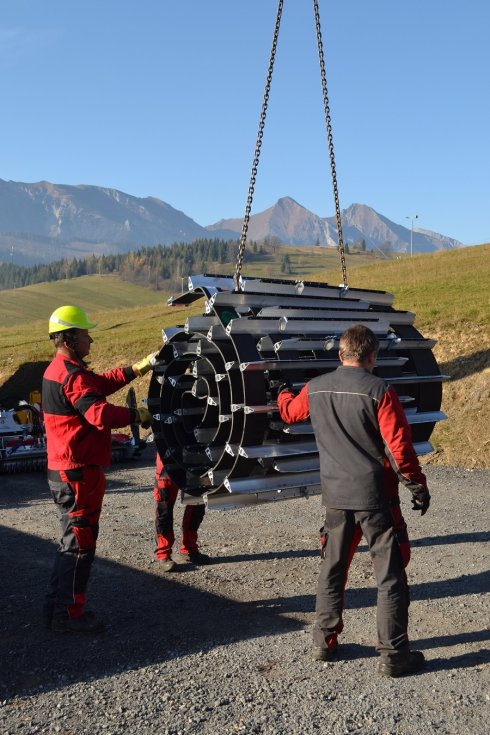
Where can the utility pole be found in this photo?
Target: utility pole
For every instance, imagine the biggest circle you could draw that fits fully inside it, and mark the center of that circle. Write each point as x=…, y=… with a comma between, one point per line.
x=411, y=217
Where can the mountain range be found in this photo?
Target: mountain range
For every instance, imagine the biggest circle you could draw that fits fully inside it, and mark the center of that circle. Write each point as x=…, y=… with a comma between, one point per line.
x=42, y=222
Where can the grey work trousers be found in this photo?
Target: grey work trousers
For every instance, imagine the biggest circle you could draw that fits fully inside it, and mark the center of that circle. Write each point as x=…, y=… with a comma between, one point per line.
x=343, y=530
x=78, y=494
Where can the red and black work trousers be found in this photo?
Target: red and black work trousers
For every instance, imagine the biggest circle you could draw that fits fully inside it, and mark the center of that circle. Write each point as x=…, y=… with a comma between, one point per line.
x=165, y=492
x=385, y=533
x=78, y=494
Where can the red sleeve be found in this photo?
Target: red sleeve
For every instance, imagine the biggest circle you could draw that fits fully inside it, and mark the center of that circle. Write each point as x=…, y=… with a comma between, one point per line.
x=294, y=408
x=113, y=380
x=397, y=437
x=84, y=392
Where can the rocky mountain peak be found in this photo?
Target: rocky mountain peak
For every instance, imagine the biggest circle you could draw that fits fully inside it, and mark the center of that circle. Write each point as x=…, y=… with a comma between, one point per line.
x=46, y=221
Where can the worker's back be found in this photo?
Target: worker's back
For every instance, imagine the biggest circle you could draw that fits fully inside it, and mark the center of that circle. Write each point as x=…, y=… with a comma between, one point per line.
x=343, y=409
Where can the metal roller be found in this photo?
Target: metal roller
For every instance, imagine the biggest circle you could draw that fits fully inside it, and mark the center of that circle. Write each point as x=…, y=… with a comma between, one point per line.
x=213, y=395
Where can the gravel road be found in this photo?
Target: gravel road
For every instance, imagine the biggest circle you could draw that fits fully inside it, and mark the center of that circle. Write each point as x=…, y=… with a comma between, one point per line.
x=226, y=649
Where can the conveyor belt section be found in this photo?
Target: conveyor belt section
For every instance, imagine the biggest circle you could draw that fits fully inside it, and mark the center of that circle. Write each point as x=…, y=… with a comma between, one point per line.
x=213, y=395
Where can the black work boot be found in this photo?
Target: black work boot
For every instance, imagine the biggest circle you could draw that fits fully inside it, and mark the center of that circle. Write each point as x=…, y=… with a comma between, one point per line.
x=86, y=623
x=322, y=653
x=400, y=664
x=166, y=565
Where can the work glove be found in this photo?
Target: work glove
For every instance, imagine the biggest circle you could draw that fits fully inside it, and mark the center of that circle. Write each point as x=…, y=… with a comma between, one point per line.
x=421, y=501
x=142, y=417
x=145, y=365
x=285, y=386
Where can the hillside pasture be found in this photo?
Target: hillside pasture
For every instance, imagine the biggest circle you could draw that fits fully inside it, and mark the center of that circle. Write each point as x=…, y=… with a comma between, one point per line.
x=448, y=291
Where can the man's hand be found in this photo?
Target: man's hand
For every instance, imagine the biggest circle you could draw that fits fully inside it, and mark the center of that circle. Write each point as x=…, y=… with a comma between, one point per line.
x=421, y=501
x=143, y=417
x=145, y=365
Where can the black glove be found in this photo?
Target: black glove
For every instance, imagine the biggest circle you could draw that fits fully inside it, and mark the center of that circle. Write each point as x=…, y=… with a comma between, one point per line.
x=421, y=501
x=285, y=386
x=141, y=416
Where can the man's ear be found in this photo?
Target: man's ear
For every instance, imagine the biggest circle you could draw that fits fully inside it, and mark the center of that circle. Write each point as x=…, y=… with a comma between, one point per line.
x=70, y=339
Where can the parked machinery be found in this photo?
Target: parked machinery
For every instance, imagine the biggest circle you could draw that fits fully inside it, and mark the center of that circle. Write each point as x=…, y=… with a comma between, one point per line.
x=214, y=392
x=22, y=440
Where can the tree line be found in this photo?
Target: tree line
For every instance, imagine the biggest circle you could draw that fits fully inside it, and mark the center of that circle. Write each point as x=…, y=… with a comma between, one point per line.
x=161, y=267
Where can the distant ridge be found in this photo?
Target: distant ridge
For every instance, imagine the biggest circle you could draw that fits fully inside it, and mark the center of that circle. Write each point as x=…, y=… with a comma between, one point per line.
x=295, y=225
x=287, y=220
x=92, y=214
x=42, y=222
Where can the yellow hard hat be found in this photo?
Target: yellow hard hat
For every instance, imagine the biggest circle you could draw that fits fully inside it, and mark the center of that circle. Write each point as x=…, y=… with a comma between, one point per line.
x=68, y=317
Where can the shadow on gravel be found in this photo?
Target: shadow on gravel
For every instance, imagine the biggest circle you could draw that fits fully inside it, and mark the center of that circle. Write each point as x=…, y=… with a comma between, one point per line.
x=453, y=538
x=271, y=555
x=37, y=489
x=151, y=619
x=443, y=641
x=122, y=487
x=360, y=597
x=463, y=660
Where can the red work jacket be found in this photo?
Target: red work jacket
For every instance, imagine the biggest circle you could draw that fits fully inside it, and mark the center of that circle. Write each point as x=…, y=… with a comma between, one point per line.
x=77, y=417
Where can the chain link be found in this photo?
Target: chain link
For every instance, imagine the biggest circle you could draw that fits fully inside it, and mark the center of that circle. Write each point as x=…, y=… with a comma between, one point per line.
x=326, y=107
x=260, y=133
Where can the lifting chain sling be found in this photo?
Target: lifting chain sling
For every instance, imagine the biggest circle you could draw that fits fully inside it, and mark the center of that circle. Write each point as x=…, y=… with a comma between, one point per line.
x=260, y=133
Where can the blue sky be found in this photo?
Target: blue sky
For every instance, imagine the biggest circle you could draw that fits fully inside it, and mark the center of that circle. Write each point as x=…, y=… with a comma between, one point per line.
x=162, y=98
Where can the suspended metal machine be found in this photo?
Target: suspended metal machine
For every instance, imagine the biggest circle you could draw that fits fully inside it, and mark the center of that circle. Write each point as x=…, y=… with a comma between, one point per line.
x=213, y=394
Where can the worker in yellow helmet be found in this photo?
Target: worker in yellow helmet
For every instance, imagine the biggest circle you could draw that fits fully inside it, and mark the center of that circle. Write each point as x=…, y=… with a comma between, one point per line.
x=78, y=421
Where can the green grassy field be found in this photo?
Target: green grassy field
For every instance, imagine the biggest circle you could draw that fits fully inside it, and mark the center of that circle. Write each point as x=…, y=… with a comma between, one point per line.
x=305, y=262
x=129, y=321
x=99, y=293
x=448, y=291
x=448, y=288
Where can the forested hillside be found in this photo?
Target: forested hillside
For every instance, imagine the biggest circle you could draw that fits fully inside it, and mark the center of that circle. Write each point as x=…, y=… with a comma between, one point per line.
x=143, y=266
x=162, y=267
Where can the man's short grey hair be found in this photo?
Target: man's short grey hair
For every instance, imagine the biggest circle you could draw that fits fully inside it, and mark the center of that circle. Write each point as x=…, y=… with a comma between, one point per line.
x=357, y=343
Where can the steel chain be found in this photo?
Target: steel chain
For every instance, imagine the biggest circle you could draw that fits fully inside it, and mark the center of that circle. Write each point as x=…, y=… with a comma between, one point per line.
x=326, y=107
x=260, y=133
